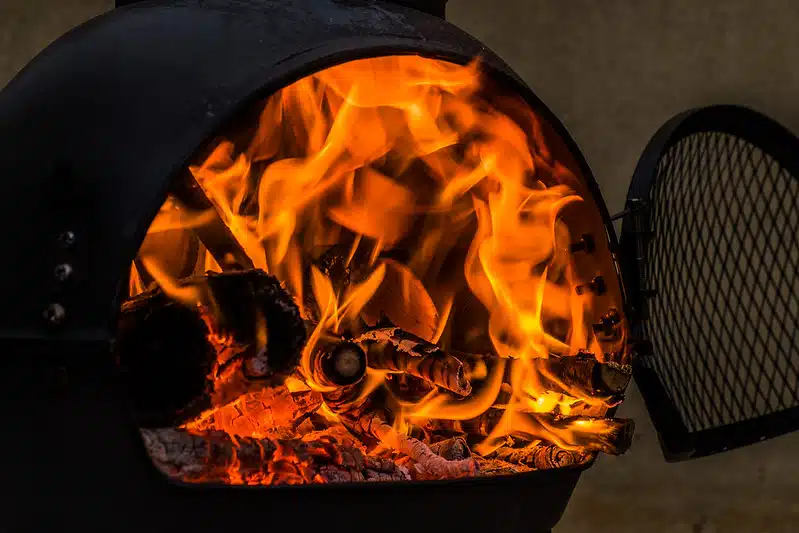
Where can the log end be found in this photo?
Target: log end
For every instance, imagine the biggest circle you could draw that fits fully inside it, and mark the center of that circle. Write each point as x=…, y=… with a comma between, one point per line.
x=612, y=378
x=622, y=437
x=341, y=365
x=461, y=386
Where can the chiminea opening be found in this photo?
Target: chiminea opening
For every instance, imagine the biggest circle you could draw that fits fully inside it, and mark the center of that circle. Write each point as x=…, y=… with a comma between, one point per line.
x=388, y=270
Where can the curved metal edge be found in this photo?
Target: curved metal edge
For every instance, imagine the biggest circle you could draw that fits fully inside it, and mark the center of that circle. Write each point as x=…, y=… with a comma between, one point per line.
x=335, y=54
x=433, y=7
x=677, y=442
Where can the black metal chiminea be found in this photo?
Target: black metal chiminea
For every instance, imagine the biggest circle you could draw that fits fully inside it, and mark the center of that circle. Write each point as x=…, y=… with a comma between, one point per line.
x=96, y=129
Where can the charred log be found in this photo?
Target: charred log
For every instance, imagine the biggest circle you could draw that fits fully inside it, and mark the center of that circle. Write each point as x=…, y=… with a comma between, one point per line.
x=244, y=334
x=273, y=411
x=453, y=449
x=612, y=436
x=392, y=348
x=368, y=419
x=539, y=456
x=338, y=364
x=579, y=376
x=401, y=297
x=582, y=376
x=216, y=457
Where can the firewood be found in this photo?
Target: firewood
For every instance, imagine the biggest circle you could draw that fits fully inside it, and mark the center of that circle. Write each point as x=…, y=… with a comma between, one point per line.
x=367, y=419
x=479, y=426
x=401, y=298
x=338, y=363
x=452, y=449
x=498, y=467
x=350, y=400
x=612, y=436
x=540, y=456
x=178, y=360
x=428, y=464
x=260, y=413
x=582, y=376
x=391, y=348
x=217, y=457
x=215, y=234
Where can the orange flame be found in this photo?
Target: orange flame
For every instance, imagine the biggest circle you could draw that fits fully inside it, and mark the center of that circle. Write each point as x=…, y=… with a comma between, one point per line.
x=407, y=153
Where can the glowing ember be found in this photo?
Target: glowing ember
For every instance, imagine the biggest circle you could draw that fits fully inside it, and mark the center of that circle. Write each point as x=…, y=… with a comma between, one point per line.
x=425, y=236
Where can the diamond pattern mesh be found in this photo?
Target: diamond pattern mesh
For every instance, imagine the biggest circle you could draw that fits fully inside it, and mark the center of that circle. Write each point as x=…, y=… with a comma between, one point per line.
x=724, y=260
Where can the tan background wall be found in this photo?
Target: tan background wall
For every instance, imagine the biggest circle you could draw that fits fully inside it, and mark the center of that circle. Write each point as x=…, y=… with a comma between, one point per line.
x=613, y=71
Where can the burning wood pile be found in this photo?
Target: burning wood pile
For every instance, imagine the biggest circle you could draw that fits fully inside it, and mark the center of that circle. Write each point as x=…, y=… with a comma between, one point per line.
x=376, y=282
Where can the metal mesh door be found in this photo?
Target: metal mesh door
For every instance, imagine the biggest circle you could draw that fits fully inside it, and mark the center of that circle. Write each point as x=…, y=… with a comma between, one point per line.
x=711, y=262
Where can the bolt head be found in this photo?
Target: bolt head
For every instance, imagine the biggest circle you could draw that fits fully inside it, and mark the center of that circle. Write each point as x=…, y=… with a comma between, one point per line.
x=63, y=271
x=54, y=314
x=67, y=239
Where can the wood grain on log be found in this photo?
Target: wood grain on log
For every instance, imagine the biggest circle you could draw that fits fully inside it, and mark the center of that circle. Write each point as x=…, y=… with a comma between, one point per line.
x=539, y=456
x=582, y=376
x=392, y=348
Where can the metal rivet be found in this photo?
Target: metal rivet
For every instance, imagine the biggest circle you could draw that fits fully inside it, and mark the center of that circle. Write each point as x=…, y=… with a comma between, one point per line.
x=608, y=323
x=63, y=271
x=66, y=239
x=585, y=244
x=597, y=286
x=54, y=314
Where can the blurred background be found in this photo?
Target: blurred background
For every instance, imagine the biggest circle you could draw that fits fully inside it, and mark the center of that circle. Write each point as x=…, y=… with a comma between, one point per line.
x=613, y=71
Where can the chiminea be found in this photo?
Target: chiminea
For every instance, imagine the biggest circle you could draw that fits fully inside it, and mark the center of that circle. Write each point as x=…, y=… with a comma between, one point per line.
x=340, y=244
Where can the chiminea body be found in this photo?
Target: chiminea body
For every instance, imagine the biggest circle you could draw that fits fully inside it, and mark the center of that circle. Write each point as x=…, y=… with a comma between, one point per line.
x=94, y=130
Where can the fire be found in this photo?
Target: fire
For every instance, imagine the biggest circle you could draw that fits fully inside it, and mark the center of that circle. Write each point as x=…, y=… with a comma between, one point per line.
x=442, y=204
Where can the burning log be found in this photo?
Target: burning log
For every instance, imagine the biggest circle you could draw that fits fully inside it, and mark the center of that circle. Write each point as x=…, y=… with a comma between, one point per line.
x=338, y=364
x=216, y=457
x=391, y=348
x=583, y=376
x=428, y=464
x=244, y=334
x=580, y=376
x=479, y=426
x=401, y=297
x=266, y=412
x=215, y=235
x=453, y=449
x=539, y=456
x=612, y=436
x=365, y=418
